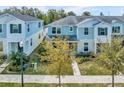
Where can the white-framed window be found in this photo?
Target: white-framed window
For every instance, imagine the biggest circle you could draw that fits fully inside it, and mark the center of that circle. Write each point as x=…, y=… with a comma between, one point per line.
x=28, y=27
x=56, y=30
x=31, y=42
x=15, y=28
x=39, y=24
x=39, y=36
x=1, y=28
x=85, y=46
x=71, y=29
x=116, y=29
x=86, y=32
x=102, y=31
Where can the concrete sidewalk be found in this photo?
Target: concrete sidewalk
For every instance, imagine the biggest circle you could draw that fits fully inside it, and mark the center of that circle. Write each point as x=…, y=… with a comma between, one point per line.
x=3, y=66
x=75, y=68
x=64, y=79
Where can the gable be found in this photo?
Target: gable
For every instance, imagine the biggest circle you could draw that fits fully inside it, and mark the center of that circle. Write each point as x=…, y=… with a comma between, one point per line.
x=5, y=18
x=88, y=23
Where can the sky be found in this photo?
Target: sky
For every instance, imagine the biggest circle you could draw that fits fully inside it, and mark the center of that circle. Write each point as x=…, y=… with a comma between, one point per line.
x=95, y=10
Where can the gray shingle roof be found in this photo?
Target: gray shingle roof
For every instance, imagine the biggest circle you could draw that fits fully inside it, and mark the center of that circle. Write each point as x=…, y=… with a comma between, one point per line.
x=24, y=17
x=73, y=20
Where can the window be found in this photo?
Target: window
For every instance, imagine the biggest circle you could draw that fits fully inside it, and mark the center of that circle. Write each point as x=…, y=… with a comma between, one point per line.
x=58, y=30
x=28, y=28
x=0, y=28
x=39, y=36
x=86, y=31
x=71, y=28
x=102, y=31
x=1, y=46
x=53, y=30
x=15, y=28
x=116, y=29
x=85, y=46
x=31, y=42
x=39, y=24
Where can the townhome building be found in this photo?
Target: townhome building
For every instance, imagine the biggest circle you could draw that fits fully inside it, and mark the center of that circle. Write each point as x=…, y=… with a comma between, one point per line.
x=16, y=28
x=88, y=32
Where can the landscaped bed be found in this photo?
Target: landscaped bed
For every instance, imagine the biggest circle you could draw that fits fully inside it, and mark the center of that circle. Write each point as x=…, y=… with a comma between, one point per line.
x=41, y=68
x=89, y=66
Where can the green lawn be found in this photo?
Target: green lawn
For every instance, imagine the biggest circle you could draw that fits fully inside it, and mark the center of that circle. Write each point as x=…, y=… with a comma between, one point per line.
x=93, y=68
x=88, y=66
x=42, y=69
x=55, y=85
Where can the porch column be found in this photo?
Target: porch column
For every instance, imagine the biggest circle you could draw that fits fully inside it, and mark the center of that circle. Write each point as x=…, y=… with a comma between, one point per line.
x=95, y=47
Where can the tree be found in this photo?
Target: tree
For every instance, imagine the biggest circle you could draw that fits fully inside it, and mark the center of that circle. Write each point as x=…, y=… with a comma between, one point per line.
x=62, y=13
x=86, y=13
x=71, y=13
x=112, y=56
x=57, y=54
x=15, y=63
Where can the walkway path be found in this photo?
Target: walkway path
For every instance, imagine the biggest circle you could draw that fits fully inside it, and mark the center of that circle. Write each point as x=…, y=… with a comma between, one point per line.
x=3, y=66
x=64, y=79
x=75, y=68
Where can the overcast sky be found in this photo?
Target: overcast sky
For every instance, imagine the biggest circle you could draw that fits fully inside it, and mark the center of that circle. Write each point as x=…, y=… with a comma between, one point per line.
x=95, y=10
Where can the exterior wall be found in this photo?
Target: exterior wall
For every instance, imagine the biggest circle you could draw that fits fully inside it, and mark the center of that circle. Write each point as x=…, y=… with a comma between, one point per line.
x=33, y=27
x=121, y=28
x=81, y=33
x=65, y=30
x=89, y=24
x=7, y=38
x=28, y=49
x=102, y=39
x=80, y=46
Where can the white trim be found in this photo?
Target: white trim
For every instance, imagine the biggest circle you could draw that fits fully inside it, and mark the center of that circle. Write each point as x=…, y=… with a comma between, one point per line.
x=10, y=15
x=21, y=19
x=84, y=31
x=56, y=30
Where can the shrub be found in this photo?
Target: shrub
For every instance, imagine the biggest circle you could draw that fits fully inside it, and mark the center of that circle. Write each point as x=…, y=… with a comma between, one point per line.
x=14, y=58
x=2, y=58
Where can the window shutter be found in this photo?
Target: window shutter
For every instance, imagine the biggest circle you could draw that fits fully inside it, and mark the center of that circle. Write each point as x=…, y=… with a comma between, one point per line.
x=20, y=28
x=11, y=25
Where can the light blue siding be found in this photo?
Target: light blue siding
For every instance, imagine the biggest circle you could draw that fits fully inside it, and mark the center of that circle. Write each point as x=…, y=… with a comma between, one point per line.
x=3, y=34
x=82, y=36
x=123, y=29
x=65, y=30
x=33, y=28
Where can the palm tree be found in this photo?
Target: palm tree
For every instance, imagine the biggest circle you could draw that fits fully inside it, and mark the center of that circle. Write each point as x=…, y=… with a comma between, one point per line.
x=112, y=55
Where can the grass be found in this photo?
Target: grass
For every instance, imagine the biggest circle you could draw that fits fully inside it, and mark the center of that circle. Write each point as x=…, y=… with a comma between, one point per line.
x=93, y=68
x=64, y=85
x=90, y=67
x=42, y=69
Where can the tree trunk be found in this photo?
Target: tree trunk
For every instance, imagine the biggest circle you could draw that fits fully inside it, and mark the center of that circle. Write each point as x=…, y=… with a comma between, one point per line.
x=113, y=84
x=59, y=80
x=59, y=74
